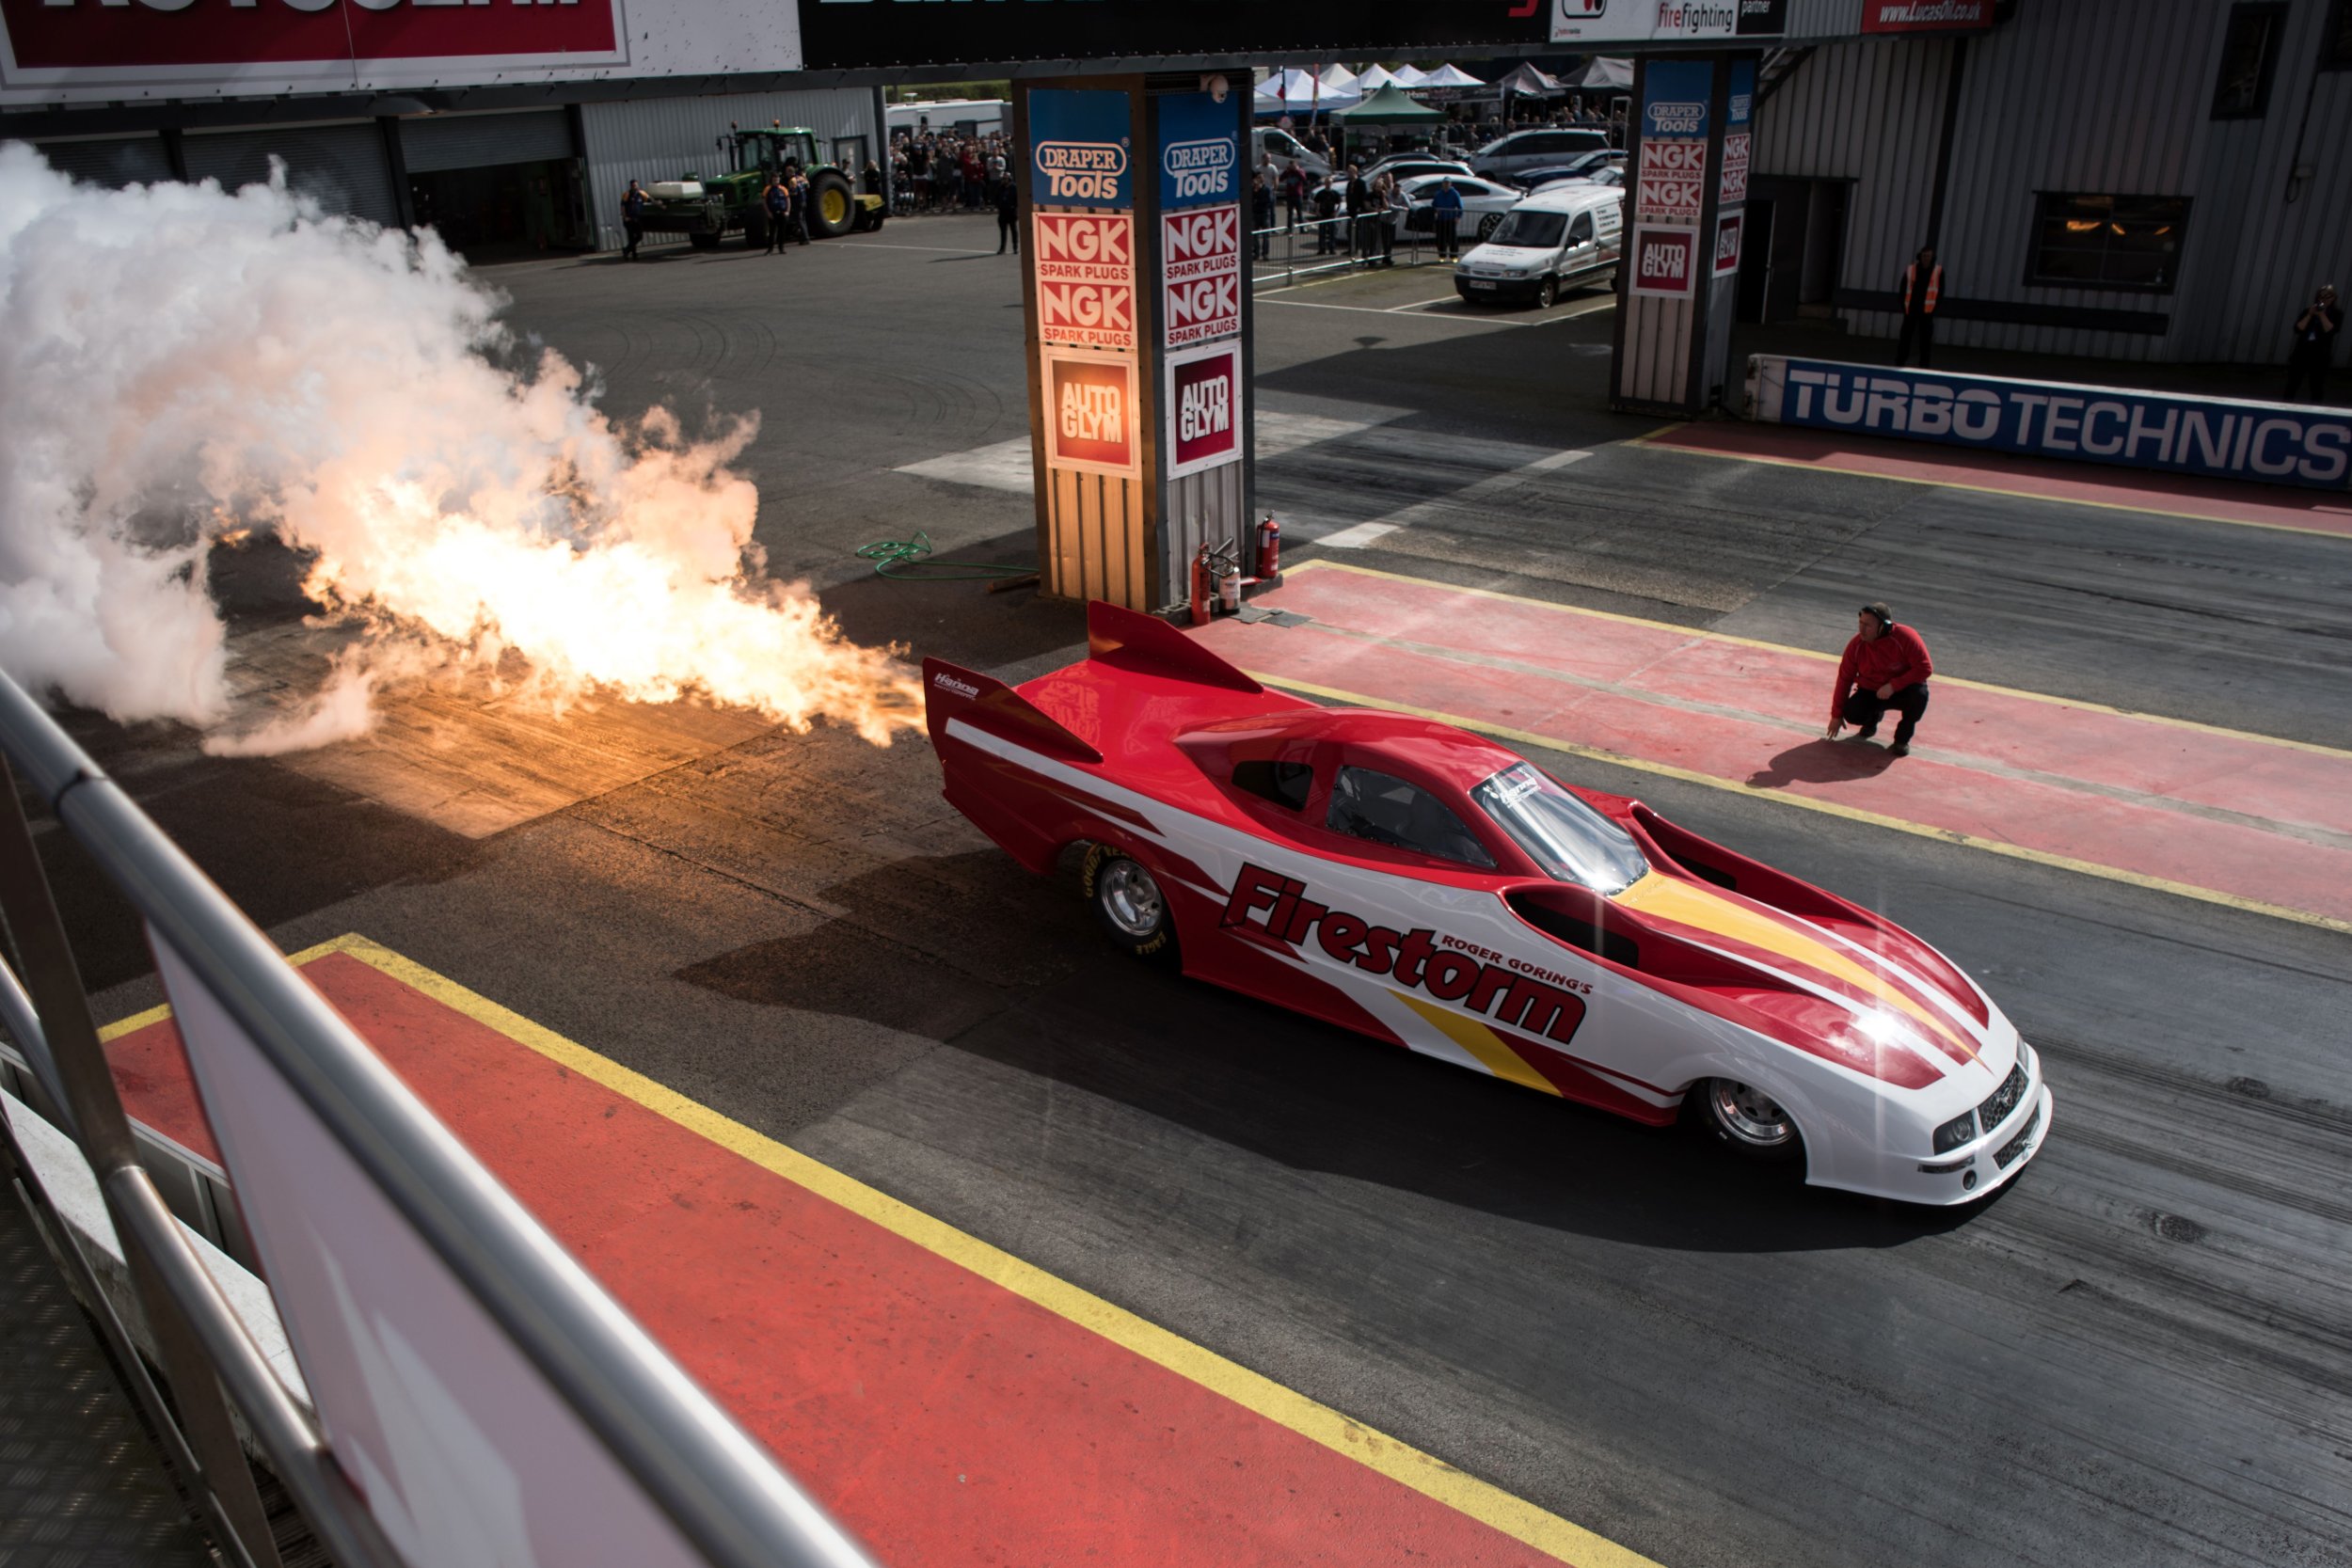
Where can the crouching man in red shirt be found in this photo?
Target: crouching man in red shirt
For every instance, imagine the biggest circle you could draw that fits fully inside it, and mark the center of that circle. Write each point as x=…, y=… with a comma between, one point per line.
x=1886, y=665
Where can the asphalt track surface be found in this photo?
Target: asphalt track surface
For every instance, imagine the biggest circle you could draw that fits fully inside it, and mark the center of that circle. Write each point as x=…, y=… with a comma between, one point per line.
x=2141, y=1354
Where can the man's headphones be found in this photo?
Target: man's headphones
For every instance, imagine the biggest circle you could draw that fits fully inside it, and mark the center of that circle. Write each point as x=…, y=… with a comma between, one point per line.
x=1886, y=617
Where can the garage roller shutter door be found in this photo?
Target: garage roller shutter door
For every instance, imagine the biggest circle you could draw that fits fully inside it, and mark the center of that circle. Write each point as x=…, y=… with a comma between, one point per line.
x=114, y=161
x=475, y=141
x=340, y=167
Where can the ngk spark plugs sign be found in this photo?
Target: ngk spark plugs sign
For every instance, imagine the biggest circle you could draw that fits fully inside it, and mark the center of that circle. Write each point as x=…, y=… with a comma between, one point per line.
x=1673, y=181
x=1737, y=137
x=1665, y=262
x=1199, y=152
x=1078, y=148
x=1090, y=412
x=184, y=48
x=1086, y=279
x=1925, y=16
x=1642, y=20
x=1204, y=410
x=1201, y=274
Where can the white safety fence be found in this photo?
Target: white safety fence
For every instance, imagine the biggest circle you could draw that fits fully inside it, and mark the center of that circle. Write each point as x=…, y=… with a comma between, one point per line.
x=435, y=1380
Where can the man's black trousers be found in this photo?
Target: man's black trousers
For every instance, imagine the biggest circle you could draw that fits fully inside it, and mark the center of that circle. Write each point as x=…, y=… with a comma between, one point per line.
x=1919, y=334
x=1866, y=707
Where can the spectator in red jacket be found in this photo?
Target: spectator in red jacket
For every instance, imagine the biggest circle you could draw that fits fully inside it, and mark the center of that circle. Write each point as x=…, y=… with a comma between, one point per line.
x=1886, y=665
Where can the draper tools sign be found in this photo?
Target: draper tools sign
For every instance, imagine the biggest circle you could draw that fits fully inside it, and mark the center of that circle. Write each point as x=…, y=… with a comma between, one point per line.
x=1199, y=152
x=209, y=45
x=1086, y=279
x=1204, y=410
x=1079, y=148
x=1090, y=412
x=1201, y=274
x=2213, y=436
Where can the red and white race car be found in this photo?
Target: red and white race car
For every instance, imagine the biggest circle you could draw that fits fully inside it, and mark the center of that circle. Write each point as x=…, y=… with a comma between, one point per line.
x=1424, y=886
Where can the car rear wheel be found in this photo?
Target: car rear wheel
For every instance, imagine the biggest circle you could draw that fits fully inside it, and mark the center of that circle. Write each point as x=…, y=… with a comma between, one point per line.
x=1128, y=903
x=1748, y=1121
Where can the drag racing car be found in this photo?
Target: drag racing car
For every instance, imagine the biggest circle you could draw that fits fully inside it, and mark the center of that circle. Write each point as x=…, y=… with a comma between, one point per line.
x=1427, y=887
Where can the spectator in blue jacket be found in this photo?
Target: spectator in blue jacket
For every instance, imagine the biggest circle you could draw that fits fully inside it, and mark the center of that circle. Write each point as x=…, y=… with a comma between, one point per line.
x=776, y=200
x=1445, y=213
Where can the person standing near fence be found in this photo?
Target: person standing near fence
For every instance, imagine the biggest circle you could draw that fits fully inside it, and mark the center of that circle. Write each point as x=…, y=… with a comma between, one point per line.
x=1261, y=212
x=1358, y=206
x=2314, y=347
x=1327, y=216
x=1445, y=218
x=1923, y=285
x=632, y=218
x=1008, y=216
x=1294, y=193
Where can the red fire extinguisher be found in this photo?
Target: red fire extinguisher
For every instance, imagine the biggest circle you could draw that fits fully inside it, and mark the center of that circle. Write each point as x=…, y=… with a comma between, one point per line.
x=1269, y=549
x=1201, y=589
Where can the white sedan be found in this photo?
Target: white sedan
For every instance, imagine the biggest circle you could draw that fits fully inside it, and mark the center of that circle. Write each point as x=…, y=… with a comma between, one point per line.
x=1484, y=203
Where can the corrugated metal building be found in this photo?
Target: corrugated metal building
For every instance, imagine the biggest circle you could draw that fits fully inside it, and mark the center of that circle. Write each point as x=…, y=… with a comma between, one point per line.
x=547, y=177
x=2125, y=178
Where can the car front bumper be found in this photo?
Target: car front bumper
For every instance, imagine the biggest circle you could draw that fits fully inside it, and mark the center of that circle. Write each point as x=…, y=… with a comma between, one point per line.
x=1480, y=291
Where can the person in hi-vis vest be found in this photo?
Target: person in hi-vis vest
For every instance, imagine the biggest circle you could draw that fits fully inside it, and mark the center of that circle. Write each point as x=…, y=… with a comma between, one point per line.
x=1923, y=282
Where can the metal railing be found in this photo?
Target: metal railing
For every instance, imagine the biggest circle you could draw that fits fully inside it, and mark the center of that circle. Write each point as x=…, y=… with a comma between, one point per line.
x=701, y=1471
x=1318, y=247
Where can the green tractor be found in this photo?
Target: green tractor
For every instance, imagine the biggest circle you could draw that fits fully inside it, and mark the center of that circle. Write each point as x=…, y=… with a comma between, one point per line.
x=706, y=209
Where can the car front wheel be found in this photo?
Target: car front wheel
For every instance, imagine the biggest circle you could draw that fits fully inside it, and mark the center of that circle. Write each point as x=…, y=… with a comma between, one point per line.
x=1128, y=903
x=1548, y=294
x=1748, y=1121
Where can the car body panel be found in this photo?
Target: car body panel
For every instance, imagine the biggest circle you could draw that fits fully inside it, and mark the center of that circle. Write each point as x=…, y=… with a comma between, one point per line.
x=1583, y=251
x=1535, y=149
x=1706, y=964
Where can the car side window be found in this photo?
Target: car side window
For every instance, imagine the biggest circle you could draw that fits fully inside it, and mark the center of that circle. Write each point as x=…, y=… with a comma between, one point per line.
x=1285, y=783
x=1580, y=231
x=1381, y=808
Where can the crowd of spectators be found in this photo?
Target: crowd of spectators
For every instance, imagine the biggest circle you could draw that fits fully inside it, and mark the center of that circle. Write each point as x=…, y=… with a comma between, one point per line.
x=938, y=171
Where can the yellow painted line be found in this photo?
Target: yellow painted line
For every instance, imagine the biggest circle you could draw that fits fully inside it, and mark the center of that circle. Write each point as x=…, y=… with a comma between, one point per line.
x=1482, y=1042
x=1702, y=633
x=134, y=1024
x=1652, y=440
x=1408, y=1466
x=1828, y=808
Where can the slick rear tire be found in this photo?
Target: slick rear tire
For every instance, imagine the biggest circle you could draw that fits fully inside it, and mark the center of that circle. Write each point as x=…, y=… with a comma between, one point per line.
x=1747, y=1122
x=831, y=207
x=1128, y=904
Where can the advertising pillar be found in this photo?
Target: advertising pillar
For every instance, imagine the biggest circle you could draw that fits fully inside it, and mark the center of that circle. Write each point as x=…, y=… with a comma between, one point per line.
x=1686, y=226
x=1136, y=311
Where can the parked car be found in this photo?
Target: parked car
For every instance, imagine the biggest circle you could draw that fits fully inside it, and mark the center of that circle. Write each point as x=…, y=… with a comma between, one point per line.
x=1430, y=888
x=1287, y=150
x=1484, y=204
x=1526, y=149
x=1583, y=166
x=1612, y=176
x=1564, y=238
x=1405, y=166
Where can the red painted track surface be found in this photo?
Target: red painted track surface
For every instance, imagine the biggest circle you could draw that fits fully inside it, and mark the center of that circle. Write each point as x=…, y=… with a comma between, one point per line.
x=2247, y=820
x=2179, y=495
x=939, y=1416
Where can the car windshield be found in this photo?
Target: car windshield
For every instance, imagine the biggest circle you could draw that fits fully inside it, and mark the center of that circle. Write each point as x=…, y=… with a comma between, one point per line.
x=1571, y=841
x=1532, y=230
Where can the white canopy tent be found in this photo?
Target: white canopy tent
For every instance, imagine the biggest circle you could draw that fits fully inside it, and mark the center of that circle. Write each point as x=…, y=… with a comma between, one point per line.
x=1298, y=92
x=1525, y=79
x=1609, y=75
x=1372, y=78
x=1450, y=76
x=1409, y=76
x=1338, y=78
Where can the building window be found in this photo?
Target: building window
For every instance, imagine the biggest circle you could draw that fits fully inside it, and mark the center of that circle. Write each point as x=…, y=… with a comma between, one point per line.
x=2335, y=45
x=2109, y=242
x=2249, y=56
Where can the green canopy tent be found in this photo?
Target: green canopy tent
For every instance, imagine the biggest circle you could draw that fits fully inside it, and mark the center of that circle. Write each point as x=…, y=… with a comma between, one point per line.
x=1385, y=110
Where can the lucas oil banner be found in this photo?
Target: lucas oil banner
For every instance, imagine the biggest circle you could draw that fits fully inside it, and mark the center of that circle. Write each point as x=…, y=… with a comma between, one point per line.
x=2212, y=437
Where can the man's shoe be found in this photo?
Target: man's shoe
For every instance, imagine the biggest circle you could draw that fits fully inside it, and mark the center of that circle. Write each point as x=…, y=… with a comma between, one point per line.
x=1864, y=734
x=1900, y=749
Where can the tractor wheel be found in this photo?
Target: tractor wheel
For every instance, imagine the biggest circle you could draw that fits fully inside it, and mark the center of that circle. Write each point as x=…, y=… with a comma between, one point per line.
x=829, y=204
x=703, y=239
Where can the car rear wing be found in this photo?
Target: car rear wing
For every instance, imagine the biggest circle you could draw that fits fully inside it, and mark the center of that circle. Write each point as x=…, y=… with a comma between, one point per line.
x=1145, y=645
x=951, y=691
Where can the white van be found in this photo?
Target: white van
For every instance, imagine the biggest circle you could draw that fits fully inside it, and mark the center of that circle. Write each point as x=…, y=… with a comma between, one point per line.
x=1287, y=150
x=1563, y=238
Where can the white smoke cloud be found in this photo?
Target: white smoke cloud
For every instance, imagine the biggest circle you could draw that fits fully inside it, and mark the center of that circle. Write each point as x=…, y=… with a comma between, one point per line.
x=177, y=363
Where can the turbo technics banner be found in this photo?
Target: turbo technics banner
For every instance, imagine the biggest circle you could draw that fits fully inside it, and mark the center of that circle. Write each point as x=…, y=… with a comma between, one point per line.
x=2212, y=437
